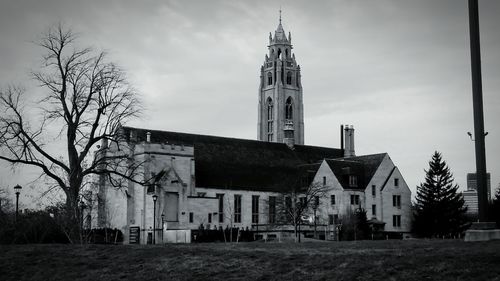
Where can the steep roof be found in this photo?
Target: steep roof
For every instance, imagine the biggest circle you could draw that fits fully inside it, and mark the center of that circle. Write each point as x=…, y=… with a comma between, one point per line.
x=363, y=167
x=243, y=164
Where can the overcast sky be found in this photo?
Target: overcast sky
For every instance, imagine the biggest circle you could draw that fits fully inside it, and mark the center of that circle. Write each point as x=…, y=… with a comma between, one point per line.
x=399, y=71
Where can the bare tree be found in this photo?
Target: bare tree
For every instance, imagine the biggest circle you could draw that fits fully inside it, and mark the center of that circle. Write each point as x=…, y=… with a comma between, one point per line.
x=293, y=205
x=5, y=202
x=87, y=98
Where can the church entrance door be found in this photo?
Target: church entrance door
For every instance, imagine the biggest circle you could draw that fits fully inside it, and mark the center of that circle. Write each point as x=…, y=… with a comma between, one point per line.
x=172, y=206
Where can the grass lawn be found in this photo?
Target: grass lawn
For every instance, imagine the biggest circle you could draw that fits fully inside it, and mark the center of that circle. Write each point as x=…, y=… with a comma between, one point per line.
x=361, y=260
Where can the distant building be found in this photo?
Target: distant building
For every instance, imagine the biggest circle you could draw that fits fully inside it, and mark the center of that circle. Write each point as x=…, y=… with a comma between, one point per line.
x=219, y=182
x=472, y=183
x=470, y=195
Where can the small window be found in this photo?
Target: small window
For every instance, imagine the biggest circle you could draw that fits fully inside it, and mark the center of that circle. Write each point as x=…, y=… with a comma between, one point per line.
x=396, y=182
x=354, y=199
x=374, y=210
x=210, y=218
x=302, y=201
x=330, y=219
x=269, y=79
x=316, y=202
x=396, y=221
x=191, y=217
x=374, y=190
x=396, y=201
x=332, y=199
x=335, y=219
x=324, y=180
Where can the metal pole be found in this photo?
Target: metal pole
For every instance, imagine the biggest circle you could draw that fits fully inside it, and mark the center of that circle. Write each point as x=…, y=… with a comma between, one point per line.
x=477, y=101
x=17, y=204
x=154, y=222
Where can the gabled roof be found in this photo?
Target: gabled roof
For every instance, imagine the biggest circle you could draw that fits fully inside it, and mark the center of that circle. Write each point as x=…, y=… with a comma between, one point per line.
x=363, y=167
x=243, y=164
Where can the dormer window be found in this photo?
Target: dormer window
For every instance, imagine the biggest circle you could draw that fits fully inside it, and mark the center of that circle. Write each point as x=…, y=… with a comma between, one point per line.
x=353, y=181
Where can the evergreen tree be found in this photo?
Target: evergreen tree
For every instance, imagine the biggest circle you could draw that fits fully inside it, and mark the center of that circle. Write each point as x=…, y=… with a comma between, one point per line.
x=494, y=208
x=439, y=209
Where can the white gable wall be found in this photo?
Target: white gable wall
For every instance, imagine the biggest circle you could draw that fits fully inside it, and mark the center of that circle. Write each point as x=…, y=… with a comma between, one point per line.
x=388, y=210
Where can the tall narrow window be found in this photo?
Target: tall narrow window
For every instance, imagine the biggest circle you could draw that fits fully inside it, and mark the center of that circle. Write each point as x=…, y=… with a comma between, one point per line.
x=396, y=221
x=354, y=199
x=288, y=203
x=332, y=199
x=270, y=113
x=374, y=190
x=289, y=78
x=220, y=196
x=374, y=210
x=289, y=109
x=396, y=182
x=324, y=180
x=272, y=209
x=269, y=78
x=255, y=209
x=237, y=208
x=396, y=201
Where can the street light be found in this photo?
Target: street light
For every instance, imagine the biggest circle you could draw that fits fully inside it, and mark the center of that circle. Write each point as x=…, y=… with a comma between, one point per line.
x=162, y=224
x=17, y=188
x=82, y=218
x=155, y=197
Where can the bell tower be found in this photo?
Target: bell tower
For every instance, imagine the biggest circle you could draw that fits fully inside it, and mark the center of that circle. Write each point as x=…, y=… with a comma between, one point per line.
x=281, y=112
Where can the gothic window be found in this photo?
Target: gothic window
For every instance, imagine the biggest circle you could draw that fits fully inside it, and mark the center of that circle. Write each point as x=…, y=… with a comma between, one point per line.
x=279, y=53
x=286, y=53
x=269, y=119
x=269, y=78
x=289, y=78
x=289, y=109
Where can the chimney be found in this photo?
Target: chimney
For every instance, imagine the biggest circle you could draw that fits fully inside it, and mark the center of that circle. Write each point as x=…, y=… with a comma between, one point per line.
x=349, y=141
x=342, y=137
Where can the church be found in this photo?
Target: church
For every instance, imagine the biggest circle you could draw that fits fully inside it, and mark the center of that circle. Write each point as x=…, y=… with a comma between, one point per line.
x=215, y=182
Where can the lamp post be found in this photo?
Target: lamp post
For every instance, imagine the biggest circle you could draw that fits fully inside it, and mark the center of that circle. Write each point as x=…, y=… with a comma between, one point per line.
x=155, y=197
x=82, y=218
x=17, y=188
x=162, y=225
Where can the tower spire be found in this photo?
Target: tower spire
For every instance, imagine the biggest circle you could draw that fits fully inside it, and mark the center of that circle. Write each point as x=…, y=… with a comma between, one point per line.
x=280, y=14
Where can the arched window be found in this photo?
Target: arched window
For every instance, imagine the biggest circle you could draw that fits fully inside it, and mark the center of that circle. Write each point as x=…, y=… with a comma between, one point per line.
x=269, y=78
x=286, y=53
x=289, y=109
x=289, y=78
x=270, y=113
x=279, y=52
